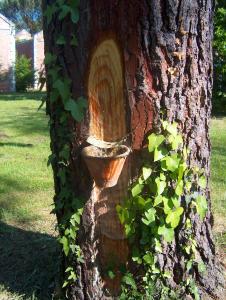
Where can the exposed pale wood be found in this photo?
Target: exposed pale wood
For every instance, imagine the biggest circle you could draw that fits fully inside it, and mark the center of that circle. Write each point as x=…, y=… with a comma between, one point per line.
x=108, y=123
x=105, y=90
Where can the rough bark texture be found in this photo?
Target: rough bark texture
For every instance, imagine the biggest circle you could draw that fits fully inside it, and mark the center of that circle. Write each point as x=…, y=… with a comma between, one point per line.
x=166, y=55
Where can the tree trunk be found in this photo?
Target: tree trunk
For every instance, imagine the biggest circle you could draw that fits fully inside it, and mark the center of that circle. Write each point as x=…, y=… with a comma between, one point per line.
x=133, y=59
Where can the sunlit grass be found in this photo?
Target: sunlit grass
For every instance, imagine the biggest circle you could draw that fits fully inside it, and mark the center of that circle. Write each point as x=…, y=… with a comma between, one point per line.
x=28, y=248
x=218, y=178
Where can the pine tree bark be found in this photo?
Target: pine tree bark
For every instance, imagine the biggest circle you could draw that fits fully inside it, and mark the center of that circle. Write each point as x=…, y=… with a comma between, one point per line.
x=166, y=64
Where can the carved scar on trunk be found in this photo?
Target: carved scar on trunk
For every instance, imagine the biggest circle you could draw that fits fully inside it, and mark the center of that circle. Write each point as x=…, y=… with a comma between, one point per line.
x=108, y=124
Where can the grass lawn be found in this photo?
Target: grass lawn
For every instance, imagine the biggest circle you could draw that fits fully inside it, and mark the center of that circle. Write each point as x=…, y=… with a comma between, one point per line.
x=28, y=247
x=27, y=230
x=218, y=179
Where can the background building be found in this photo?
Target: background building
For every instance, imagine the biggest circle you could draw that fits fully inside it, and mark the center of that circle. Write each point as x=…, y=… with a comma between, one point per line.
x=7, y=55
x=33, y=48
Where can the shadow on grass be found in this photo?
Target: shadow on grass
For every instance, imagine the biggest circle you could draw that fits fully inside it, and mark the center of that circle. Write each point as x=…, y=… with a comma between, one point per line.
x=28, y=262
x=28, y=121
x=22, y=96
x=22, y=145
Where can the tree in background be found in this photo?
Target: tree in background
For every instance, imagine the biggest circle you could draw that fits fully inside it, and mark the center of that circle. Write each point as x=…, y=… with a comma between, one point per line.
x=24, y=73
x=219, y=47
x=26, y=14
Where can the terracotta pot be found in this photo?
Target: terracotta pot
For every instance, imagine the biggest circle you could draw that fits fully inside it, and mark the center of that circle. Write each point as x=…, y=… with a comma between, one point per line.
x=105, y=165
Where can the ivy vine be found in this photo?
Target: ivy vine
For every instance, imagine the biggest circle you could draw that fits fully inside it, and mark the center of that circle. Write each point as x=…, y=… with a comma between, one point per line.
x=65, y=109
x=160, y=197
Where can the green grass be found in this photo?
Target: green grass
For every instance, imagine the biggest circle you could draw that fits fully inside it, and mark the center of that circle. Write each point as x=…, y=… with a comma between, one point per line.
x=28, y=246
x=218, y=178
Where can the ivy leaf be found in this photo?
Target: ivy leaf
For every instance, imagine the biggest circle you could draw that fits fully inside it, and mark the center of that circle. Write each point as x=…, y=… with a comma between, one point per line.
x=51, y=159
x=65, y=243
x=49, y=12
x=202, y=182
x=61, y=40
x=168, y=205
x=177, y=141
x=122, y=213
x=146, y=172
x=167, y=233
x=158, y=246
x=136, y=255
x=159, y=153
x=62, y=175
x=180, y=188
x=175, y=201
x=65, y=9
x=74, y=15
x=172, y=128
x=111, y=274
x=154, y=141
x=182, y=168
x=76, y=109
x=148, y=258
x=128, y=279
x=160, y=185
x=173, y=217
x=158, y=200
x=63, y=87
x=201, y=206
x=137, y=189
x=170, y=163
x=49, y=58
x=149, y=216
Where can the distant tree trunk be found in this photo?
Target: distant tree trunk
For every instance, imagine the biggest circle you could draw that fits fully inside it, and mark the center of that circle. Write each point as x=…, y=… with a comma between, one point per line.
x=134, y=59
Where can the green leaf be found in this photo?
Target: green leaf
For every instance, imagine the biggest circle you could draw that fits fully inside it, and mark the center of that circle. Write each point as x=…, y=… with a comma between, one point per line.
x=168, y=205
x=148, y=258
x=158, y=200
x=63, y=87
x=160, y=185
x=167, y=233
x=128, y=279
x=158, y=246
x=201, y=206
x=180, y=188
x=49, y=12
x=61, y=40
x=50, y=58
x=160, y=152
x=172, y=128
x=170, y=163
x=65, y=284
x=182, y=168
x=146, y=172
x=122, y=213
x=76, y=109
x=111, y=274
x=136, y=255
x=137, y=189
x=65, y=243
x=202, y=182
x=154, y=141
x=74, y=15
x=149, y=216
x=62, y=175
x=173, y=217
x=201, y=267
x=65, y=9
